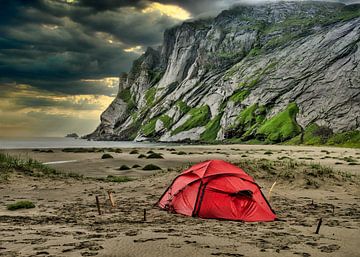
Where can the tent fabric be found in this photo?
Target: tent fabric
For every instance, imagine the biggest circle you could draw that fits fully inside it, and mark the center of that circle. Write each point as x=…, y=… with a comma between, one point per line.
x=217, y=189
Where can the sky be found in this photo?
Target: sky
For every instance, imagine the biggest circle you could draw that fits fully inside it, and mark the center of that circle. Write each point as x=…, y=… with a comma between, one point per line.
x=60, y=59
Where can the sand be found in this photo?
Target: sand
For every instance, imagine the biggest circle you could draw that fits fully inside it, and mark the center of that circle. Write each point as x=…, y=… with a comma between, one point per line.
x=91, y=164
x=65, y=221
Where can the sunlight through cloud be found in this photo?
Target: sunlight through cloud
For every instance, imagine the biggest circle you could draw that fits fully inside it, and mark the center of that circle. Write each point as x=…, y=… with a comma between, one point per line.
x=172, y=11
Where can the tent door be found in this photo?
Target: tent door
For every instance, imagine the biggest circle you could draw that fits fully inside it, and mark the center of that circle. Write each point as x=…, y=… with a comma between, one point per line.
x=199, y=199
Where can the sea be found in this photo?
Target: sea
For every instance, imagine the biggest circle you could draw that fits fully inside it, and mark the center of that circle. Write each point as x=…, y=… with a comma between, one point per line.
x=64, y=142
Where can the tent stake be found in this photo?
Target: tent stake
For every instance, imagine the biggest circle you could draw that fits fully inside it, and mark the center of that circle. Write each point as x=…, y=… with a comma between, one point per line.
x=318, y=226
x=98, y=204
x=144, y=214
x=111, y=199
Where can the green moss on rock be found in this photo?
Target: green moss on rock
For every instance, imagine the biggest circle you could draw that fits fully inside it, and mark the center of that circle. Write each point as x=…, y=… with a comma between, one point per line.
x=212, y=129
x=148, y=129
x=282, y=126
x=126, y=96
x=308, y=137
x=150, y=96
x=166, y=120
x=198, y=117
x=239, y=96
x=247, y=115
x=183, y=107
x=345, y=139
x=247, y=122
x=317, y=135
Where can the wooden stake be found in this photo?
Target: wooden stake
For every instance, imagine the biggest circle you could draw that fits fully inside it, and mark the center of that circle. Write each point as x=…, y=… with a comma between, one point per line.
x=333, y=209
x=111, y=199
x=98, y=204
x=318, y=226
x=271, y=189
x=144, y=214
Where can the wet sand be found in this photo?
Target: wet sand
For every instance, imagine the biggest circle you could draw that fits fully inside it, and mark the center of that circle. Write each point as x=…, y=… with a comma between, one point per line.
x=65, y=221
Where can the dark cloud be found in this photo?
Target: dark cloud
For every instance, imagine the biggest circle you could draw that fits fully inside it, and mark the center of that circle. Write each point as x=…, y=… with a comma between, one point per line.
x=52, y=45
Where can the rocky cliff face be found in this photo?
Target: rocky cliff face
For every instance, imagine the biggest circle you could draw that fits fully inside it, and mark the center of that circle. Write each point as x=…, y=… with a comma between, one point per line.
x=266, y=72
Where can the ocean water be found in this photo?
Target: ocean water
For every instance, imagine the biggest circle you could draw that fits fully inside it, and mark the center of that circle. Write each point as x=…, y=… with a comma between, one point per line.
x=59, y=142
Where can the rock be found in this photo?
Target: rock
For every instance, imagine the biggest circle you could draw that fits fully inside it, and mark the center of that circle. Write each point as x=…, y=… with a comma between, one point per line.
x=247, y=65
x=72, y=135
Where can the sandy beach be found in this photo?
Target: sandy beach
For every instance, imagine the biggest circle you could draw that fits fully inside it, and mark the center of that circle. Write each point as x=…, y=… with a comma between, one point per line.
x=65, y=221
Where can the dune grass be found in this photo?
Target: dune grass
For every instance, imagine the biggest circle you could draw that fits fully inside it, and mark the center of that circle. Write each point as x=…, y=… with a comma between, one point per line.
x=151, y=167
x=306, y=175
x=116, y=179
x=30, y=167
x=124, y=167
x=155, y=156
x=20, y=205
x=134, y=151
x=107, y=156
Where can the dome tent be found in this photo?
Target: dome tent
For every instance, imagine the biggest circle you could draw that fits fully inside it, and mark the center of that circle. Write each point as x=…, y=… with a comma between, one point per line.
x=217, y=189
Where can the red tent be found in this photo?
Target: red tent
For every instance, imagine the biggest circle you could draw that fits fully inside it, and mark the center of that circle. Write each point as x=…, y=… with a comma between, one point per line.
x=217, y=189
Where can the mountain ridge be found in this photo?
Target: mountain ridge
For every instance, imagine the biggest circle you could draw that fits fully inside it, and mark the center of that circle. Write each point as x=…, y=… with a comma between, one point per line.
x=255, y=72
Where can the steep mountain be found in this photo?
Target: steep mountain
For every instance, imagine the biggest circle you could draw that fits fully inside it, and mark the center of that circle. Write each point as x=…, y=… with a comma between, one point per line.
x=272, y=72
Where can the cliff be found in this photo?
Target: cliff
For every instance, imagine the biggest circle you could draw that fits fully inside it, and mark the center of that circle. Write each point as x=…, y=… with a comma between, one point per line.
x=273, y=72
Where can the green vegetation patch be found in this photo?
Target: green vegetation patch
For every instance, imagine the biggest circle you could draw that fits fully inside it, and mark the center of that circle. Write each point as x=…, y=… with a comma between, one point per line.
x=239, y=96
x=211, y=129
x=310, y=136
x=183, y=107
x=155, y=156
x=106, y=156
x=149, y=128
x=150, y=96
x=246, y=124
x=30, y=167
x=282, y=126
x=320, y=135
x=124, y=167
x=166, y=120
x=345, y=139
x=126, y=96
x=151, y=167
x=20, y=205
x=247, y=116
x=198, y=117
x=116, y=179
x=305, y=175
